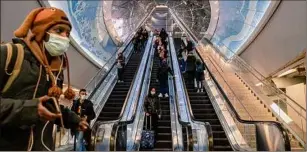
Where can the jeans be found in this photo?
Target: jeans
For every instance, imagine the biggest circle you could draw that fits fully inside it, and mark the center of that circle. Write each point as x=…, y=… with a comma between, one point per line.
x=79, y=141
x=163, y=87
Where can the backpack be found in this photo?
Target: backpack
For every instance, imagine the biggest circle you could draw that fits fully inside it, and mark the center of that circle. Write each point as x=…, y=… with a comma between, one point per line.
x=13, y=63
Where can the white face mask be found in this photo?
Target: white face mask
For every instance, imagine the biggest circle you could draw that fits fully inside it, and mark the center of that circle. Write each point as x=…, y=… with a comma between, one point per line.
x=82, y=97
x=152, y=93
x=56, y=45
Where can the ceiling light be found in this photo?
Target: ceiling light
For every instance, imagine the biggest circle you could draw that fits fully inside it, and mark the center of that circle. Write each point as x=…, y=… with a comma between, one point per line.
x=287, y=72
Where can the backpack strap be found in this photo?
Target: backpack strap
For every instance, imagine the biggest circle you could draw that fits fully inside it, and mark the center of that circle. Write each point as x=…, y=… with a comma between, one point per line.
x=14, y=60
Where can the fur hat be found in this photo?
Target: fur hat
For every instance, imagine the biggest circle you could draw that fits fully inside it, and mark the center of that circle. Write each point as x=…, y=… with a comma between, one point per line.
x=40, y=20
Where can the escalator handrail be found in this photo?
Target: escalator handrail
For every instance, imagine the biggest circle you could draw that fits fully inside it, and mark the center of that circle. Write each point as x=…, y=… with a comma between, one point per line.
x=125, y=102
x=187, y=124
x=108, y=72
x=237, y=116
x=119, y=123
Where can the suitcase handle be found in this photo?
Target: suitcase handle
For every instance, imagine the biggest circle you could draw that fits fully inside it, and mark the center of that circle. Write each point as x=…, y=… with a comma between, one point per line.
x=147, y=122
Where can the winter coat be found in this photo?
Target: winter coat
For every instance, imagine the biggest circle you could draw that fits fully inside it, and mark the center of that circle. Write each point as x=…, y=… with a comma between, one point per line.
x=191, y=59
x=152, y=104
x=18, y=109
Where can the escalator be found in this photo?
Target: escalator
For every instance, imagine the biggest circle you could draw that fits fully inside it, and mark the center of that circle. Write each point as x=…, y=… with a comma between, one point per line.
x=203, y=111
x=115, y=102
x=164, y=132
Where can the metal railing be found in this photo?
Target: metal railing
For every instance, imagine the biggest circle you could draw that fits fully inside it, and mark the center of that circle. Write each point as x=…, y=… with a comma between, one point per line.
x=249, y=125
x=292, y=129
x=297, y=126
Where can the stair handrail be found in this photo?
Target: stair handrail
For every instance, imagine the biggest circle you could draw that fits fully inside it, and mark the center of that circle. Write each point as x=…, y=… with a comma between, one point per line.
x=243, y=63
x=300, y=111
x=234, y=112
x=279, y=126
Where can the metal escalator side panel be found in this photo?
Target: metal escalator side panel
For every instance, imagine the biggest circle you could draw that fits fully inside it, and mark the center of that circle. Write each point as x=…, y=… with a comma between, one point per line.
x=270, y=138
x=133, y=130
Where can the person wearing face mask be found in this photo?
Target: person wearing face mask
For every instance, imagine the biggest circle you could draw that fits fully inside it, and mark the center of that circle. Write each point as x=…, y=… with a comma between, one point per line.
x=152, y=109
x=120, y=66
x=30, y=69
x=85, y=110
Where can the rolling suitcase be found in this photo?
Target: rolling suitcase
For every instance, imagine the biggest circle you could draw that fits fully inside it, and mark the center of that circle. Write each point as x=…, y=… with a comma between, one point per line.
x=148, y=136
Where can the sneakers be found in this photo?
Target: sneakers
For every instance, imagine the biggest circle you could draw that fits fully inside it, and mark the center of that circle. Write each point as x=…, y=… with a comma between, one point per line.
x=166, y=95
x=160, y=95
x=197, y=90
x=202, y=90
x=119, y=81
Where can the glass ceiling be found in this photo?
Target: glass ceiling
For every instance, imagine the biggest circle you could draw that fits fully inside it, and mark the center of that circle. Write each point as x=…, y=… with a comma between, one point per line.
x=101, y=26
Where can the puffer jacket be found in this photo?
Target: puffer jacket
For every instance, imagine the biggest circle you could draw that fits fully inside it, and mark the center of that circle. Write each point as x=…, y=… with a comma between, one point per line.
x=152, y=104
x=19, y=110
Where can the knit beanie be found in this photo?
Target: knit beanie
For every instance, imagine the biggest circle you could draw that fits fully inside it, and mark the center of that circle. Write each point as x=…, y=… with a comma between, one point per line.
x=39, y=21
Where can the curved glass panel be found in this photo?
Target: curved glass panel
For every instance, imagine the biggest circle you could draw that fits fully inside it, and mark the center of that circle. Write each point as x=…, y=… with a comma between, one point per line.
x=237, y=22
x=89, y=31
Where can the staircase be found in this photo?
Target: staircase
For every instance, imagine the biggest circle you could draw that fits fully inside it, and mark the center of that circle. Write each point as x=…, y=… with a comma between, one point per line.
x=236, y=91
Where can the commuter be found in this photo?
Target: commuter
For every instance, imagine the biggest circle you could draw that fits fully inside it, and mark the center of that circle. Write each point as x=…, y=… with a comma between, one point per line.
x=85, y=110
x=120, y=66
x=190, y=46
x=199, y=75
x=162, y=77
x=163, y=35
x=190, y=67
x=156, y=45
x=181, y=50
x=182, y=63
x=136, y=42
x=27, y=111
x=152, y=109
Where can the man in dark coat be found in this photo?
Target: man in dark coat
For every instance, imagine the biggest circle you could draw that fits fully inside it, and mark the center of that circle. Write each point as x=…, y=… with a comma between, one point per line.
x=40, y=57
x=85, y=110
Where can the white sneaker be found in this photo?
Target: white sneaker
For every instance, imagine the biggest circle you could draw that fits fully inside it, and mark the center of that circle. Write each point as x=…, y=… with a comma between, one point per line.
x=118, y=81
x=197, y=90
x=160, y=95
x=166, y=95
x=202, y=90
